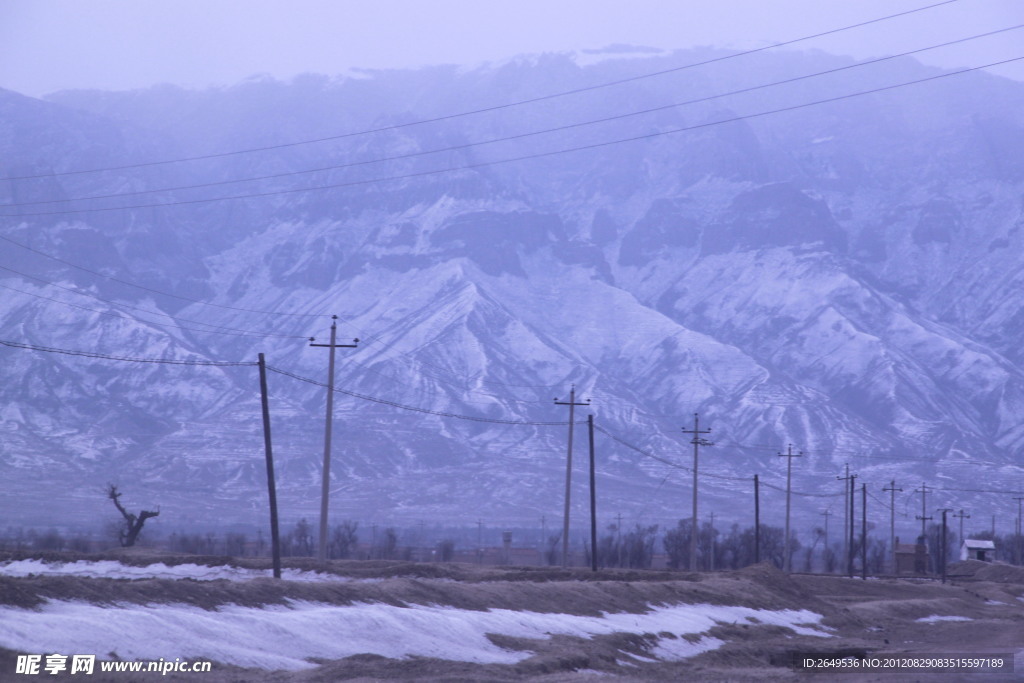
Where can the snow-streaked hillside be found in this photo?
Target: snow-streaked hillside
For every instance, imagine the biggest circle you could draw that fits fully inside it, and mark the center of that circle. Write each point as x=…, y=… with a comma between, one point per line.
x=840, y=277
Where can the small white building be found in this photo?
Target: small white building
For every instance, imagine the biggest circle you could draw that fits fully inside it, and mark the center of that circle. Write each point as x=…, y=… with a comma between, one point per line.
x=978, y=549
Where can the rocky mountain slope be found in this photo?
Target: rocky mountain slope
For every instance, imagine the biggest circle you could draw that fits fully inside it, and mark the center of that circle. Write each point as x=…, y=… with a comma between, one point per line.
x=841, y=277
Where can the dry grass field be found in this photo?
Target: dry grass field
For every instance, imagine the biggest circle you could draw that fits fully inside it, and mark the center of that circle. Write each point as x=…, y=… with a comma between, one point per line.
x=383, y=620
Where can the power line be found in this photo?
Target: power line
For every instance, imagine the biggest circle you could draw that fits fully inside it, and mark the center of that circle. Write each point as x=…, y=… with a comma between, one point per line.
x=403, y=406
x=800, y=493
x=103, y=356
x=156, y=291
x=507, y=105
x=519, y=136
x=141, y=320
x=228, y=330
x=525, y=157
x=982, y=491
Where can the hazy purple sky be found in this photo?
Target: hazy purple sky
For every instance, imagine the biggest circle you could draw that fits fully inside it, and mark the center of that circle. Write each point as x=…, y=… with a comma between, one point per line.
x=47, y=45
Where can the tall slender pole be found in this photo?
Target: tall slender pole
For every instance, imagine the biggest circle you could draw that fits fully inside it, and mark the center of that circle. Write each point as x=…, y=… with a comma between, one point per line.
x=943, y=543
x=961, y=515
x=325, y=481
x=864, y=531
x=757, y=521
x=711, y=542
x=789, y=455
x=892, y=522
x=849, y=555
x=275, y=540
x=697, y=442
x=924, y=509
x=846, y=512
x=1016, y=544
x=568, y=470
x=593, y=498
x=826, y=514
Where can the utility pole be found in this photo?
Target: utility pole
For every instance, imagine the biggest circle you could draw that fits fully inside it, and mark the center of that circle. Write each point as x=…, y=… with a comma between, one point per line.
x=924, y=497
x=826, y=514
x=853, y=497
x=697, y=442
x=757, y=521
x=788, y=455
x=864, y=531
x=962, y=515
x=275, y=540
x=942, y=544
x=593, y=498
x=846, y=510
x=711, y=564
x=1016, y=544
x=892, y=521
x=325, y=484
x=568, y=469
x=618, y=539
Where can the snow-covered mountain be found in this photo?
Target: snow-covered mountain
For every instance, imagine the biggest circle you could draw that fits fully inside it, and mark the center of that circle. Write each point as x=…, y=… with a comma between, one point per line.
x=843, y=277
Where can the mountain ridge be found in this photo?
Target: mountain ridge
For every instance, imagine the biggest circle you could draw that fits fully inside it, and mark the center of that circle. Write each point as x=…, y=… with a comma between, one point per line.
x=803, y=278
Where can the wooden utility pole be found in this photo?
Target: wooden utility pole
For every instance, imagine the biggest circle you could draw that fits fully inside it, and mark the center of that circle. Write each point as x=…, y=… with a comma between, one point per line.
x=697, y=442
x=788, y=455
x=853, y=497
x=757, y=521
x=325, y=484
x=568, y=469
x=826, y=514
x=942, y=543
x=593, y=498
x=846, y=510
x=1016, y=544
x=892, y=521
x=962, y=515
x=275, y=539
x=864, y=531
x=924, y=498
x=711, y=543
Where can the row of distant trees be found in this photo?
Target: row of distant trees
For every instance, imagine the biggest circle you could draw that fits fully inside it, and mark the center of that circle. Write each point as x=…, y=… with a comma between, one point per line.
x=634, y=547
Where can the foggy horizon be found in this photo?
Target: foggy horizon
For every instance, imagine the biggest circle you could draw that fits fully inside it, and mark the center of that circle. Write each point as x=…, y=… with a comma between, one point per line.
x=114, y=45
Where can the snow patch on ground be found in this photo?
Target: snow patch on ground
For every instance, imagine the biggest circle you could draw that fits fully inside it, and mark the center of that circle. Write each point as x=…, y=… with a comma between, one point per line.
x=288, y=636
x=674, y=649
x=935, y=618
x=111, y=569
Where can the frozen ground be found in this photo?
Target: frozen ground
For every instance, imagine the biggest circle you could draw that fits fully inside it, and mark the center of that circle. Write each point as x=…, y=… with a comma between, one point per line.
x=290, y=636
x=112, y=569
x=418, y=621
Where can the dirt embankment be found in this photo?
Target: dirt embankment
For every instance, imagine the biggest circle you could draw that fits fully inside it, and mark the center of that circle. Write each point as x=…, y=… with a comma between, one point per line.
x=885, y=616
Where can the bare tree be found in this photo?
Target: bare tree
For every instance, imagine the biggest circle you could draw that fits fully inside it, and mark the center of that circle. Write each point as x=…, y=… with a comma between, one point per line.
x=129, y=532
x=301, y=538
x=638, y=546
x=551, y=552
x=343, y=539
x=677, y=544
x=234, y=544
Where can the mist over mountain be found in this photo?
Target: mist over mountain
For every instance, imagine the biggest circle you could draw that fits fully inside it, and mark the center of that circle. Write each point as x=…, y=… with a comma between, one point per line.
x=845, y=277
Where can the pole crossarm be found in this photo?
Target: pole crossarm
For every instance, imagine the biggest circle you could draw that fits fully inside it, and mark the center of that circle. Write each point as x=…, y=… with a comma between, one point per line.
x=923, y=517
x=328, y=430
x=891, y=489
x=697, y=442
x=572, y=403
x=789, y=455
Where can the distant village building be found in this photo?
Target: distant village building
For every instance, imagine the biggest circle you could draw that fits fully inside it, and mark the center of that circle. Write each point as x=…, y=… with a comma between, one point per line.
x=978, y=549
x=912, y=558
